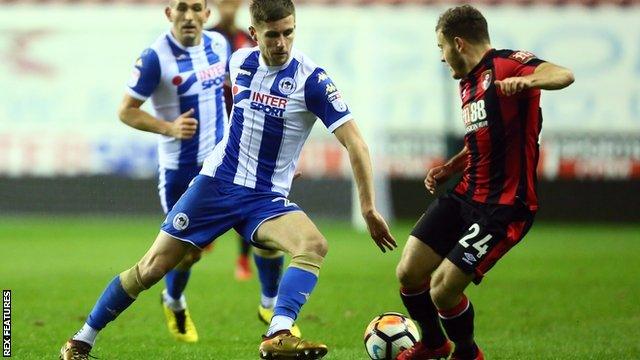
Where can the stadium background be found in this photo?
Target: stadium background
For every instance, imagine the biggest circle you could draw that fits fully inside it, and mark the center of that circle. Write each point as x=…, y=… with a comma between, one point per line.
x=68, y=163
x=65, y=65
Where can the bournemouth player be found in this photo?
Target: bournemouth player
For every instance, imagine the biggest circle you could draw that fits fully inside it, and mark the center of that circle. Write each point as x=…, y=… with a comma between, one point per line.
x=465, y=232
x=238, y=39
x=278, y=95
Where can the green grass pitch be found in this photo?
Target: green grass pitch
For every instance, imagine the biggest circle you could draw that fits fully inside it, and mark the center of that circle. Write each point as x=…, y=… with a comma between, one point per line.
x=566, y=292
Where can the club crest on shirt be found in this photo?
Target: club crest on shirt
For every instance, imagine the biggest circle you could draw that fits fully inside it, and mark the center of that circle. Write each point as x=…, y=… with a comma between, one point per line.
x=180, y=221
x=287, y=86
x=486, y=77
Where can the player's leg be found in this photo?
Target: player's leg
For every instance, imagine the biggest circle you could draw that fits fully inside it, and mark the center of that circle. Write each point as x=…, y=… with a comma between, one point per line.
x=492, y=232
x=172, y=184
x=414, y=273
x=455, y=310
x=431, y=239
x=122, y=291
x=269, y=264
x=243, y=266
x=174, y=303
x=295, y=234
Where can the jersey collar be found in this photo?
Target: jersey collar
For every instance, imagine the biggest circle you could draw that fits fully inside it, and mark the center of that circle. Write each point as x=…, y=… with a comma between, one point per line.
x=275, y=68
x=190, y=49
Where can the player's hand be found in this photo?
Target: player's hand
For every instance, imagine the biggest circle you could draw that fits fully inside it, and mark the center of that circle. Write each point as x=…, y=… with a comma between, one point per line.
x=184, y=126
x=379, y=231
x=437, y=176
x=513, y=85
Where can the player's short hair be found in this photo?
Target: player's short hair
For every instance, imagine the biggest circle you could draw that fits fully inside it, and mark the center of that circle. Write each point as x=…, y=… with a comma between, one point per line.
x=270, y=10
x=464, y=21
x=173, y=2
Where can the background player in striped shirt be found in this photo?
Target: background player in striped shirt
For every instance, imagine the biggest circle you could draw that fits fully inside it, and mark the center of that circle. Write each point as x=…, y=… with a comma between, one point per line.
x=183, y=73
x=238, y=39
x=466, y=231
x=278, y=95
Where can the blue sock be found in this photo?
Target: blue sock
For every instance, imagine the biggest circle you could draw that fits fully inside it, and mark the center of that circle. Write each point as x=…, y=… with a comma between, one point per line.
x=269, y=271
x=111, y=303
x=176, y=281
x=295, y=288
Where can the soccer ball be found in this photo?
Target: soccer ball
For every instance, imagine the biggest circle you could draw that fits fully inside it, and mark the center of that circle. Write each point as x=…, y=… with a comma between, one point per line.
x=388, y=334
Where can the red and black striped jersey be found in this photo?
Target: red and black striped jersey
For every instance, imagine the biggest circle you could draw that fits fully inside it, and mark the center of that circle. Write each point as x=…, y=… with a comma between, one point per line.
x=501, y=132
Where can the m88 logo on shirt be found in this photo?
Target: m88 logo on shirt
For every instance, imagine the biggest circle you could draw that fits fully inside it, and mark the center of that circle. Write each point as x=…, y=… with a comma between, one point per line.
x=474, y=115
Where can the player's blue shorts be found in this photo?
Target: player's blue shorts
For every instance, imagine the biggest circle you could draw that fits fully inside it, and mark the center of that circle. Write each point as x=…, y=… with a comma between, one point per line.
x=173, y=183
x=211, y=207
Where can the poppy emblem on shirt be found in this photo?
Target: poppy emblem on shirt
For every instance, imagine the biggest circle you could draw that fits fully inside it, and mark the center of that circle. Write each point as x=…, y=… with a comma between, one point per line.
x=287, y=86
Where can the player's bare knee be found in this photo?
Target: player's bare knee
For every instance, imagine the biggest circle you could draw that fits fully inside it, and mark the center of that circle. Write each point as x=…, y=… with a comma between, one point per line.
x=315, y=244
x=443, y=296
x=192, y=257
x=407, y=277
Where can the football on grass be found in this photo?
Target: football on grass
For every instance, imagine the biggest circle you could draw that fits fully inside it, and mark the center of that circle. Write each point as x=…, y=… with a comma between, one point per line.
x=388, y=334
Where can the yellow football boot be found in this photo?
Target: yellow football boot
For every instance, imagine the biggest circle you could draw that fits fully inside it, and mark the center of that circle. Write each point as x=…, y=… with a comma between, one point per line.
x=265, y=315
x=283, y=345
x=180, y=324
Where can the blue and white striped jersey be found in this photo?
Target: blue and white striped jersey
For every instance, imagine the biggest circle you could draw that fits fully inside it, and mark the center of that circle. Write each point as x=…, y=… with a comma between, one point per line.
x=179, y=78
x=273, y=113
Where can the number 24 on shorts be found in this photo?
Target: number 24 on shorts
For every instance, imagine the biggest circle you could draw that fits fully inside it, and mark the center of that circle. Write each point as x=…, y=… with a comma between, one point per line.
x=480, y=245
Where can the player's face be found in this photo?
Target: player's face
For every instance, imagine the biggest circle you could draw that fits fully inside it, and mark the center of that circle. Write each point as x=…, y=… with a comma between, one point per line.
x=450, y=54
x=275, y=39
x=227, y=9
x=188, y=18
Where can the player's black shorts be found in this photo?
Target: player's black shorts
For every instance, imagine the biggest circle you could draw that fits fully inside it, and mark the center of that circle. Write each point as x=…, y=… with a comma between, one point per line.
x=472, y=235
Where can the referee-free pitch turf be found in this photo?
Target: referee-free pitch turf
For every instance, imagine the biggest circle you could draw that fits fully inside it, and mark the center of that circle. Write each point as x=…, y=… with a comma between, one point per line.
x=566, y=292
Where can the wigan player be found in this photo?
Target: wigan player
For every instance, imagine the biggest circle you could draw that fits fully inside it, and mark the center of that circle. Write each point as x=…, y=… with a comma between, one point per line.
x=244, y=183
x=183, y=73
x=238, y=39
x=466, y=231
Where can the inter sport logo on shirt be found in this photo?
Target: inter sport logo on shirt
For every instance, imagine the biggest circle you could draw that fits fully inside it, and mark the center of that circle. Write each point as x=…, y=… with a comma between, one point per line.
x=269, y=104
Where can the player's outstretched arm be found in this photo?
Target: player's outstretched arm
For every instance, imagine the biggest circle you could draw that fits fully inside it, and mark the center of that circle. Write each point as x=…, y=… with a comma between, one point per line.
x=546, y=76
x=442, y=173
x=350, y=137
x=183, y=127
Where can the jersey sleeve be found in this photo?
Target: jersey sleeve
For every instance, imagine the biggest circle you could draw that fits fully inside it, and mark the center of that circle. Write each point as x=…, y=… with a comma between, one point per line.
x=325, y=101
x=145, y=76
x=523, y=63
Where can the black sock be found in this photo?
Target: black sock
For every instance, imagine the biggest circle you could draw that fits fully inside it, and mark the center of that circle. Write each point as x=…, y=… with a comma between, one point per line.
x=458, y=322
x=422, y=310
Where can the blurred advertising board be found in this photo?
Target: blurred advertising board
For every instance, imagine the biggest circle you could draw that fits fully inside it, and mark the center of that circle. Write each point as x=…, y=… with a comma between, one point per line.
x=65, y=66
